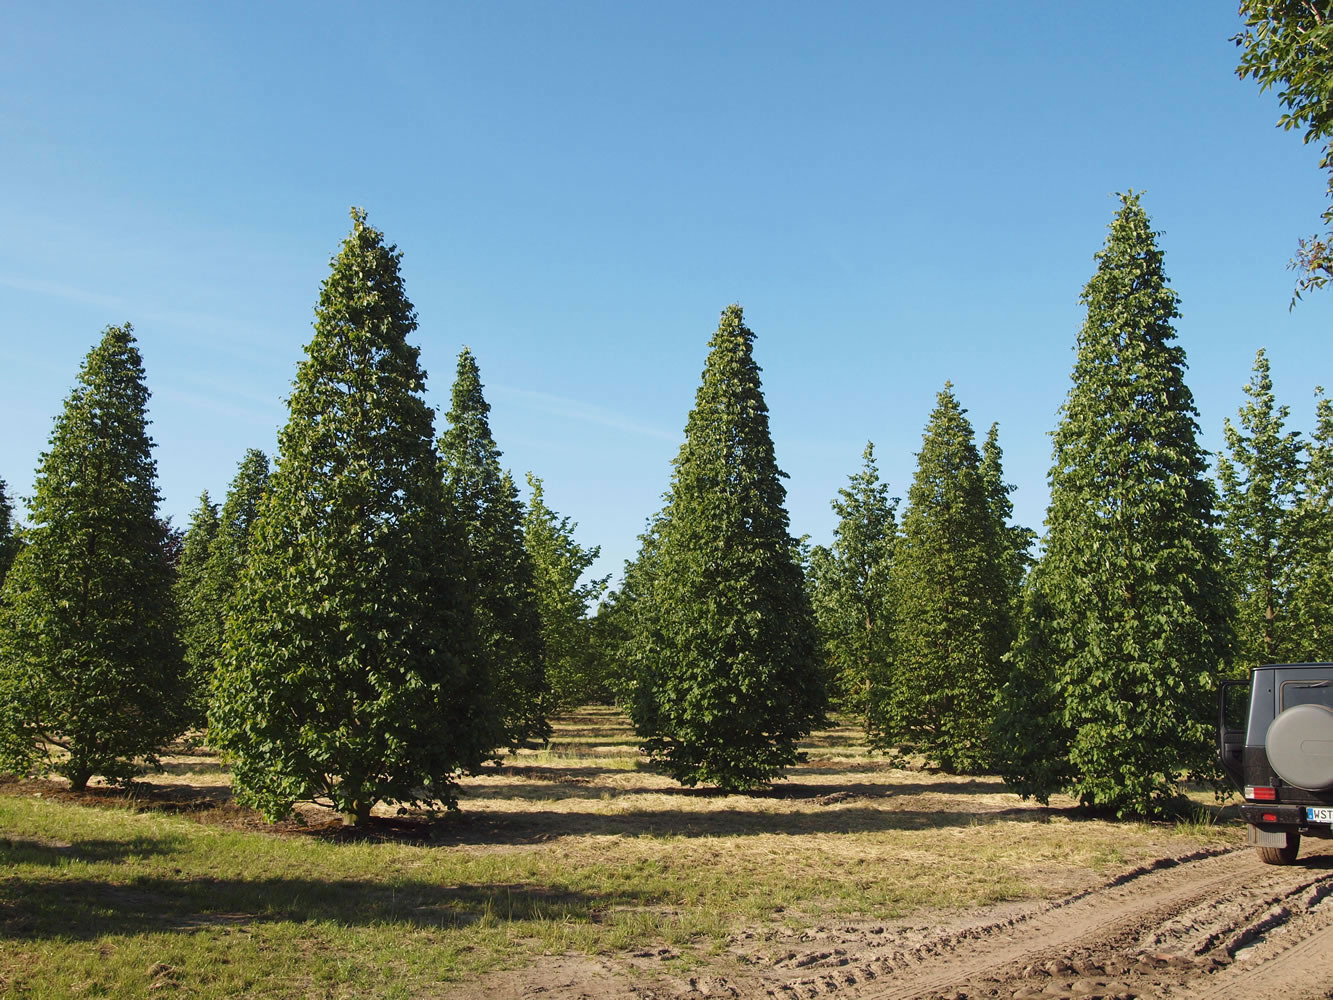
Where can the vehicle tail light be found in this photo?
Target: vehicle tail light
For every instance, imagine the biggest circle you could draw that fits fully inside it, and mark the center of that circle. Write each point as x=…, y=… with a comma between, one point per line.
x=1261, y=793
x=1269, y=817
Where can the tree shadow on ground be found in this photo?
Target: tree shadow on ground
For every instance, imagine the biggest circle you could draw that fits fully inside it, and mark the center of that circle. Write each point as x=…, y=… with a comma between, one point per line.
x=191, y=767
x=584, y=783
x=139, y=796
x=86, y=909
x=19, y=850
x=535, y=826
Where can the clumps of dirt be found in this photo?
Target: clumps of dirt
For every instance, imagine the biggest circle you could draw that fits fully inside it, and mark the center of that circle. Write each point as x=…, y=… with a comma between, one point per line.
x=834, y=798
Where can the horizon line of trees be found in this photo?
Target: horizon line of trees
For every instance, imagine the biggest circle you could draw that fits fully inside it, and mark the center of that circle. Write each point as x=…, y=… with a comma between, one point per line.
x=378, y=613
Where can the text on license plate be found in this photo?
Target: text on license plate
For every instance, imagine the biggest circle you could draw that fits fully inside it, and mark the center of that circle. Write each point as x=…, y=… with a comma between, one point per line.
x=1322, y=814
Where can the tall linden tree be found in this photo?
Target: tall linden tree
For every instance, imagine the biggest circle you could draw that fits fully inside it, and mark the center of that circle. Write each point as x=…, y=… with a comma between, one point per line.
x=1134, y=608
x=198, y=613
x=485, y=501
x=351, y=674
x=952, y=611
x=850, y=588
x=563, y=601
x=1311, y=635
x=1260, y=479
x=90, y=664
x=725, y=653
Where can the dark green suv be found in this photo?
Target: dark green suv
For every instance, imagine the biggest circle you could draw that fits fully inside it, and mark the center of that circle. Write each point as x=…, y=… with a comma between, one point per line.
x=1275, y=740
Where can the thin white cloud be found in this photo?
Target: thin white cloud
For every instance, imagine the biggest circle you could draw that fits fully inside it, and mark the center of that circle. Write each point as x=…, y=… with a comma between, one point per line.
x=55, y=289
x=115, y=304
x=577, y=409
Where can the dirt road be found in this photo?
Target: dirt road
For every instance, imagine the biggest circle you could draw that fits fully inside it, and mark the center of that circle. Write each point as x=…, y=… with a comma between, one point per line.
x=1215, y=925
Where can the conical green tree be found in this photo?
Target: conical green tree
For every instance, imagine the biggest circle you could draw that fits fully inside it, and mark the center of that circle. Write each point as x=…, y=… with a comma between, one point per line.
x=1137, y=619
x=1260, y=480
x=351, y=673
x=230, y=552
x=563, y=601
x=90, y=662
x=952, y=617
x=198, y=612
x=1311, y=636
x=236, y=526
x=726, y=652
x=623, y=618
x=850, y=588
x=485, y=502
x=9, y=540
x=1013, y=541
x=209, y=574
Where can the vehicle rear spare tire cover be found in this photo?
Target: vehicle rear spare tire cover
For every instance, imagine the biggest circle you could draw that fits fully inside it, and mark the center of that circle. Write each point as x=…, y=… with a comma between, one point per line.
x=1300, y=747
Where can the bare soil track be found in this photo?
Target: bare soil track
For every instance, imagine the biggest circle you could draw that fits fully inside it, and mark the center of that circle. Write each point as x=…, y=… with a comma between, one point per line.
x=1216, y=924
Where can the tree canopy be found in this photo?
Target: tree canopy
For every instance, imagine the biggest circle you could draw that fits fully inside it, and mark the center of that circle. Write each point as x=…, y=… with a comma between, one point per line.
x=1260, y=476
x=485, y=502
x=90, y=664
x=564, y=600
x=725, y=650
x=1289, y=44
x=351, y=673
x=850, y=587
x=951, y=605
x=1311, y=593
x=200, y=616
x=1131, y=626
x=9, y=540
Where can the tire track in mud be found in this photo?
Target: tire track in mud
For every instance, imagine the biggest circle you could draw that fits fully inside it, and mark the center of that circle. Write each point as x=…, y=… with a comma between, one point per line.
x=1302, y=969
x=1212, y=925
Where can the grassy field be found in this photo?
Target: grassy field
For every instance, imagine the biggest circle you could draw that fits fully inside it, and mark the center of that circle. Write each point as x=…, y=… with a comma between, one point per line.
x=577, y=849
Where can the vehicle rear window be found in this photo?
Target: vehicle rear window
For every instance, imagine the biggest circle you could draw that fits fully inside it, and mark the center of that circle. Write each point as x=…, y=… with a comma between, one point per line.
x=1307, y=693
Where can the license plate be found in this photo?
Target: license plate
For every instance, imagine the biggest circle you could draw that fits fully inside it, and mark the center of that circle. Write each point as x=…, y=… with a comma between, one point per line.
x=1323, y=814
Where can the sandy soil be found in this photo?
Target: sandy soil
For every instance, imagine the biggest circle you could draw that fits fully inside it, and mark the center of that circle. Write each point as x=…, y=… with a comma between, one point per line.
x=1216, y=924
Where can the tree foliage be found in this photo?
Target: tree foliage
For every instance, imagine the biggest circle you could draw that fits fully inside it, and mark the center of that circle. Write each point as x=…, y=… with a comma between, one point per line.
x=564, y=600
x=725, y=650
x=199, y=615
x=1013, y=542
x=209, y=574
x=350, y=672
x=485, y=503
x=850, y=588
x=1311, y=594
x=952, y=612
x=1259, y=481
x=236, y=525
x=1289, y=44
x=1132, y=624
x=90, y=663
x=9, y=537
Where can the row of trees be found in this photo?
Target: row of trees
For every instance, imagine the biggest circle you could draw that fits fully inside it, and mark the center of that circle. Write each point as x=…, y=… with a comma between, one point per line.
x=1091, y=670
x=367, y=621
x=380, y=612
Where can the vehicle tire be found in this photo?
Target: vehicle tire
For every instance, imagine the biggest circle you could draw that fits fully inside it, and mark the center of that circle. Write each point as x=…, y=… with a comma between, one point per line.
x=1281, y=855
x=1300, y=747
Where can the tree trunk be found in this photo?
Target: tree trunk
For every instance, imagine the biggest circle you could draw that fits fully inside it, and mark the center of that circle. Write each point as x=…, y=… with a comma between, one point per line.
x=357, y=813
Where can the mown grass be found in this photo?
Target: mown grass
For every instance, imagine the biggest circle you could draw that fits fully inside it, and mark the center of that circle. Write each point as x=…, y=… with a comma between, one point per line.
x=578, y=848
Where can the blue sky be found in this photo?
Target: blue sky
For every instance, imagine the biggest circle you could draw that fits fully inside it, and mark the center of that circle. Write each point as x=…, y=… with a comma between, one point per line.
x=898, y=196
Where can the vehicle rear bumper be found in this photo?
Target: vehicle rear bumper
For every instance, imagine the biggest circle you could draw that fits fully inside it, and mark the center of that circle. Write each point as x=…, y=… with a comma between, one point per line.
x=1288, y=818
